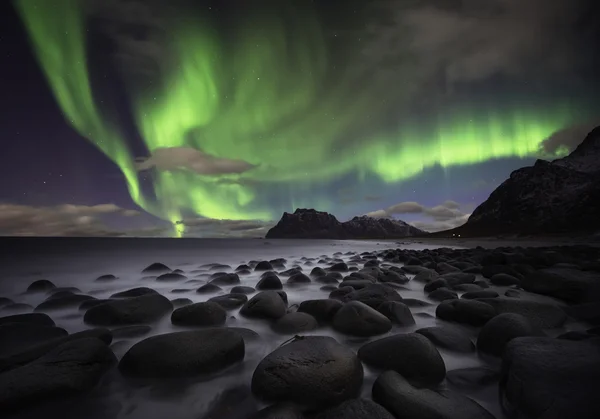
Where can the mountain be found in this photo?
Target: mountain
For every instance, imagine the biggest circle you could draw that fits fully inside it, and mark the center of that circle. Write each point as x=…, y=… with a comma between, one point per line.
x=558, y=197
x=312, y=224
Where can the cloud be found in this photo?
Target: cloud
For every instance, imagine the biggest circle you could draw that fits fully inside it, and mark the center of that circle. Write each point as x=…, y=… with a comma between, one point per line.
x=210, y=227
x=568, y=138
x=445, y=216
x=433, y=226
x=174, y=158
x=61, y=220
x=441, y=44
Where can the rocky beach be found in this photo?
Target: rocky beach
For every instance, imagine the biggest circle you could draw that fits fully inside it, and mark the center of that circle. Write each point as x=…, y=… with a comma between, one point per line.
x=236, y=329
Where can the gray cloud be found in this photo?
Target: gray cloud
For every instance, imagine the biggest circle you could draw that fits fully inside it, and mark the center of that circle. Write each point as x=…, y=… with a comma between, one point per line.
x=174, y=158
x=568, y=138
x=209, y=227
x=61, y=220
x=444, y=216
x=440, y=44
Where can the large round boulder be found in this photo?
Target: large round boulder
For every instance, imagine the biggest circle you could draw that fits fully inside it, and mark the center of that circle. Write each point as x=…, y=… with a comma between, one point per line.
x=266, y=305
x=17, y=337
x=199, y=314
x=403, y=400
x=65, y=372
x=495, y=334
x=397, y=312
x=471, y=312
x=373, y=295
x=322, y=310
x=555, y=378
x=183, y=354
x=544, y=315
x=314, y=371
x=358, y=319
x=41, y=285
x=269, y=282
x=136, y=310
x=296, y=322
x=29, y=318
x=447, y=337
x=356, y=409
x=410, y=354
x=230, y=301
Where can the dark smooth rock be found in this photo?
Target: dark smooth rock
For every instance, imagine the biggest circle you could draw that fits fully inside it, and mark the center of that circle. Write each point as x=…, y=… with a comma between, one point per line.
x=443, y=294
x=340, y=292
x=322, y=310
x=265, y=304
x=489, y=271
x=480, y=294
x=59, y=303
x=242, y=267
x=17, y=337
x=156, y=268
x=373, y=295
x=230, y=301
x=339, y=267
x=269, y=282
x=587, y=312
x=171, y=276
x=298, y=279
x=546, y=377
x=40, y=319
x=296, y=322
x=358, y=319
x=194, y=353
x=199, y=314
x=456, y=278
x=413, y=302
x=128, y=332
x=135, y=310
x=356, y=409
x=356, y=284
x=317, y=272
x=467, y=288
x=511, y=294
x=482, y=283
x=540, y=314
x=92, y=303
x=227, y=279
x=41, y=285
x=435, y=284
x=263, y=266
x=240, y=289
x=291, y=271
x=67, y=371
x=426, y=276
x=471, y=312
x=575, y=335
x=134, y=292
x=279, y=411
x=397, y=312
x=447, y=337
x=504, y=279
x=403, y=400
x=410, y=354
x=209, y=289
x=181, y=302
x=473, y=378
x=106, y=278
x=16, y=308
x=495, y=334
x=235, y=402
x=395, y=277
x=4, y=301
x=570, y=285
x=314, y=371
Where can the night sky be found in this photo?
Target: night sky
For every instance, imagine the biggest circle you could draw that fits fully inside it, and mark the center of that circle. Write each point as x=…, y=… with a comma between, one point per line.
x=212, y=118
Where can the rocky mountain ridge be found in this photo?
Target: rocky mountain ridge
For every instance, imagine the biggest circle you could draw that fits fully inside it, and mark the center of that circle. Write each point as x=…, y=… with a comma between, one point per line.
x=311, y=224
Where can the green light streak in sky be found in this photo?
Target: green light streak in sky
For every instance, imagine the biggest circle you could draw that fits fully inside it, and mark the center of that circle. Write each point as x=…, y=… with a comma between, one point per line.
x=264, y=97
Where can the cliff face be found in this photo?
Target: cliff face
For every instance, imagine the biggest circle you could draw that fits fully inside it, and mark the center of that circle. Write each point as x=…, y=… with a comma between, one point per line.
x=562, y=196
x=309, y=223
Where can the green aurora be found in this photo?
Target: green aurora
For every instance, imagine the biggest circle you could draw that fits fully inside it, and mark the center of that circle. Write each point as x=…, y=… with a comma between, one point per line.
x=265, y=97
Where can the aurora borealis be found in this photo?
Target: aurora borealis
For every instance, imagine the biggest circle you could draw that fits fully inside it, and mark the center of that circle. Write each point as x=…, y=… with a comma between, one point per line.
x=255, y=110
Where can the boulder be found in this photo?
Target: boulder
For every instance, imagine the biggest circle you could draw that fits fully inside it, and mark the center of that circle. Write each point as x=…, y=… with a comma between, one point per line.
x=40, y=319
x=403, y=400
x=471, y=312
x=544, y=315
x=395, y=277
x=473, y=378
x=356, y=409
x=135, y=310
x=358, y=319
x=18, y=337
x=183, y=354
x=263, y=266
x=443, y=294
x=480, y=294
x=495, y=334
x=554, y=378
x=322, y=310
x=199, y=314
x=373, y=295
x=269, y=282
x=66, y=372
x=503, y=279
x=240, y=289
x=227, y=279
x=435, y=284
x=265, y=304
x=314, y=371
x=62, y=302
x=279, y=411
x=570, y=285
x=296, y=322
x=426, y=275
x=448, y=337
x=456, y=278
x=134, y=292
x=410, y=354
x=209, y=288
x=230, y=301
x=298, y=279
x=41, y=285
x=397, y=312
x=156, y=267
